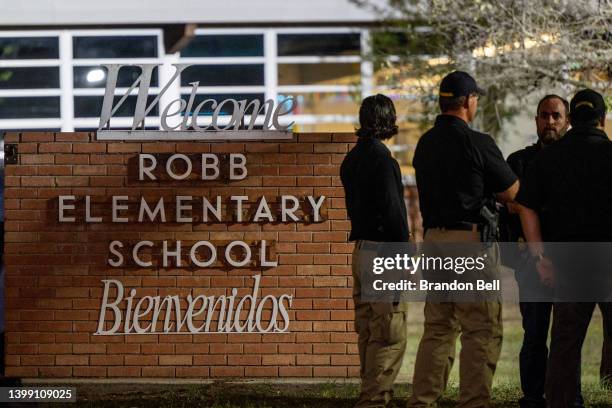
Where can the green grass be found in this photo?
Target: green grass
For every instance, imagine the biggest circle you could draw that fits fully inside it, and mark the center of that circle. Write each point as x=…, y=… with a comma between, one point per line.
x=506, y=384
x=339, y=394
x=228, y=395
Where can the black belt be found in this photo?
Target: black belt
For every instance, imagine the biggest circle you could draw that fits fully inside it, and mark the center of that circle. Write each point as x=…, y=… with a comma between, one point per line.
x=461, y=226
x=367, y=245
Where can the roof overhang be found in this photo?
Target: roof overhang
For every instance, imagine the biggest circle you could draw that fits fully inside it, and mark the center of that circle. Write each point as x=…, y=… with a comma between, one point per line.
x=66, y=13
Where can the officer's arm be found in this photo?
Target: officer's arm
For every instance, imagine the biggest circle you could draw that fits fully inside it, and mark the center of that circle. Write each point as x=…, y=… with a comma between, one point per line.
x=516, y=164
x=512, y=207
x=531, y=228
x=498, y=175
x=507, y=196
x=530, y=221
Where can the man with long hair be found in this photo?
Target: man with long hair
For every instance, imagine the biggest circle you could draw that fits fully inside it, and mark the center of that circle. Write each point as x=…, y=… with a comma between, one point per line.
x=375, y=203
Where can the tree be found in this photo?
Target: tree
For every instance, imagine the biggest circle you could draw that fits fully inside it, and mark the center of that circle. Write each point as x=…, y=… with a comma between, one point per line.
x=513, y=47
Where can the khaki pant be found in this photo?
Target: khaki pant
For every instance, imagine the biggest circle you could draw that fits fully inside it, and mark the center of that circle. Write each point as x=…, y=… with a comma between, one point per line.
x=382, y=330
x=480, y=326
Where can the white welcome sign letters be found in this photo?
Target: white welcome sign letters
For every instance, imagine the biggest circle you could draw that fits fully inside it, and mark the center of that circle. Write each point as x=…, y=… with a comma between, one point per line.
x=239, y=126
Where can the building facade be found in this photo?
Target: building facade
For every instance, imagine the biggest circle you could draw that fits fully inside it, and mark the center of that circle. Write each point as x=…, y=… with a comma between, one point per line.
x=51, y=75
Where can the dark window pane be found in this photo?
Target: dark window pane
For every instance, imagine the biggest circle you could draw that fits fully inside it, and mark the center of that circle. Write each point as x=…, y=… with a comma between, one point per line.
x=90, y=106
x=29, y=48
x=30, y=107
x=338, y=103
x=225, y=46
x=318, y=44
x=319, y=74
x=115, y=47
x=29, y=78
x=227, y=108
x=224, y=75
x=95, y=77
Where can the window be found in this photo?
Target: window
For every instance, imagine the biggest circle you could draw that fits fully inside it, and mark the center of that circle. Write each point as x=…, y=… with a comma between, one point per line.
x=224, y=75
x=29, y=78
x=319, y=67
x=95, y=77
x=34, y=90
x=29, y=48
x=319, y=74
x=90, y=106
x=405, y=103
x=29, y=107
x=319, y=44
x=115, y=47
x=342, y=103
x=225, y=45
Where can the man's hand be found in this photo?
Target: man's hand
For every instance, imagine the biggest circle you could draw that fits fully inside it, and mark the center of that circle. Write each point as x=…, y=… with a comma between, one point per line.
x=546, y=270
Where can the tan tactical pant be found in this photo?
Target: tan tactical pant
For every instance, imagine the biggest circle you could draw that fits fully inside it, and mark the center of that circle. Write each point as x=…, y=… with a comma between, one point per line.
x=480, y=326
x=382, y=329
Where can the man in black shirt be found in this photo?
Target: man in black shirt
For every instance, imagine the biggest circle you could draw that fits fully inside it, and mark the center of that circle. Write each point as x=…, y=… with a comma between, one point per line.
x=459, y=171
x=375, y=203
x=373, y=184
x=552, y=121
x=567, y=189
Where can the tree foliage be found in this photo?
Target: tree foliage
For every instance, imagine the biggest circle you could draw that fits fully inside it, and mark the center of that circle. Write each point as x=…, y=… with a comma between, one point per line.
x=513, y=47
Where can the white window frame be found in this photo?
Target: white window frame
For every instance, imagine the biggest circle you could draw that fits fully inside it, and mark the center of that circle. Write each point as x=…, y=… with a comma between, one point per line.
x=66, y=63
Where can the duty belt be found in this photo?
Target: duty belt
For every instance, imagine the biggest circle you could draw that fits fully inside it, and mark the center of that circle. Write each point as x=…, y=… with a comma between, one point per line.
x=367, y=245
x=461, y=226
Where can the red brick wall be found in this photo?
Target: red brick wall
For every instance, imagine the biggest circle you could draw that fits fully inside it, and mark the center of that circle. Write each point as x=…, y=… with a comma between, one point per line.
x=54, y=271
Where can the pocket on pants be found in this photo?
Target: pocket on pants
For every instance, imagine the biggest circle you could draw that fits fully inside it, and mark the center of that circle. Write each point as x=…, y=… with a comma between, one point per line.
x=397, y=328
x=390, y=327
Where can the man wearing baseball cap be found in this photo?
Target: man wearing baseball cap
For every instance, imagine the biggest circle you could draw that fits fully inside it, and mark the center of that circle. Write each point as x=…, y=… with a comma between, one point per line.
x=567, y=188
x=460, y=173
x=457, y=84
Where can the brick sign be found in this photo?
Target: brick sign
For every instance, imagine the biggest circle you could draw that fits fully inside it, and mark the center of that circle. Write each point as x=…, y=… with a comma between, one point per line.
x=177, y=259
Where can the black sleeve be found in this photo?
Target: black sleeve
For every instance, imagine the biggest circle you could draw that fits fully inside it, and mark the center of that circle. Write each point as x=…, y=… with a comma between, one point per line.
x=516, y=164
x=531, y=191
x=498, y=174
x=390, y=200
x=510, y=224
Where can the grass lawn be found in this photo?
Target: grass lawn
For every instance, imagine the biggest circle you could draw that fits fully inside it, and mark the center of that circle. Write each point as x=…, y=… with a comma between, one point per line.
x=341, y=394
x=506, y=382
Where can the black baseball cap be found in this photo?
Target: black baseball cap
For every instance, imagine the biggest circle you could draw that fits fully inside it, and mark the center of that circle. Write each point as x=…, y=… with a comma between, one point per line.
x=587, y=105
x=459, y=83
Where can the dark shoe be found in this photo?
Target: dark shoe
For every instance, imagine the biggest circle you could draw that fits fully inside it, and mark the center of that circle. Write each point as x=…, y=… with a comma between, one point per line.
x=606, y=383
x=579, y=403
x=532, y=403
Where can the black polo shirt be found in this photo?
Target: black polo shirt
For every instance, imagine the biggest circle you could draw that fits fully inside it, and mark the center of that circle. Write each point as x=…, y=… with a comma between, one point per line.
x=569, y=184
x=457, y=170
x=518, y=161
x=374, y=193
